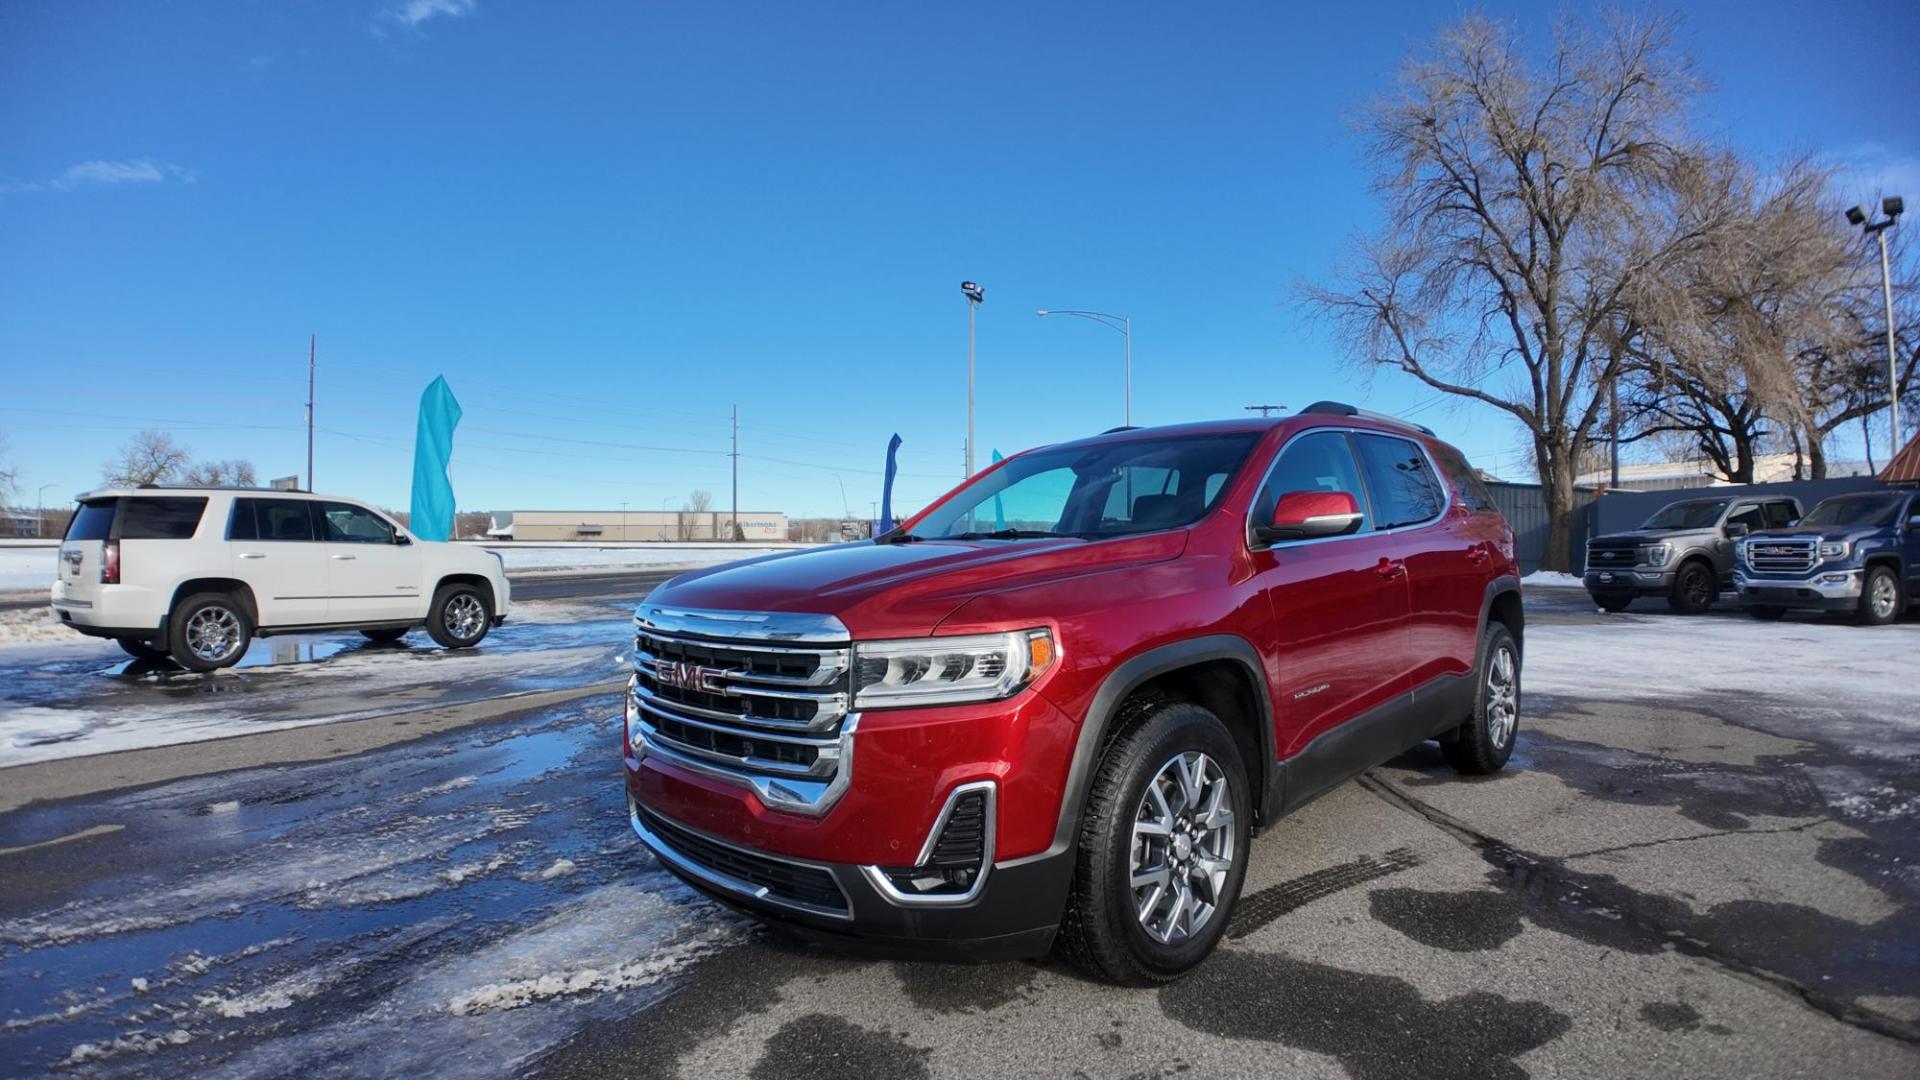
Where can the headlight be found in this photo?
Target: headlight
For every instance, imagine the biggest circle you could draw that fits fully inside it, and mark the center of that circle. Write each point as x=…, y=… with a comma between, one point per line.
x=1834, y=550
x=1655, y=554
x=944, y=671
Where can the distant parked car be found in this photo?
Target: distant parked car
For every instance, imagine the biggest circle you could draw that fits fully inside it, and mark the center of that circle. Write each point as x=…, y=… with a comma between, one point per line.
x=1684, y=552
x=1856, y=553
x=195, y=573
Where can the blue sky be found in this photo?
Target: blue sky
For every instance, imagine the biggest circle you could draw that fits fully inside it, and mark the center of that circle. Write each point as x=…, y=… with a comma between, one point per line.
x=607, y=224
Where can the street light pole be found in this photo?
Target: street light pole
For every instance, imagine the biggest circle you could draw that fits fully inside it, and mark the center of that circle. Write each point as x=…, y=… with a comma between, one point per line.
x=974, y=294
x=1892, y=205
x=1124, y=325
x=40, y=510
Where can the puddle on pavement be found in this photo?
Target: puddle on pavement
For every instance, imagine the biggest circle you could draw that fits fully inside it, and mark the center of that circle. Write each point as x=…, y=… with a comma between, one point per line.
x=329, y=913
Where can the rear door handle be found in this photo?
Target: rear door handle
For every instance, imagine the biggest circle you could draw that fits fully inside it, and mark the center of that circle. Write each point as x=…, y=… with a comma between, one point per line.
x=1477, y=554
x=1390, y=568
x=253, y=554
x=343, y=558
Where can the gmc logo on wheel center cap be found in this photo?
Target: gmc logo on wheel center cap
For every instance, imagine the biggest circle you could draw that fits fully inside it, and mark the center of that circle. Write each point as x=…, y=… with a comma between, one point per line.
x=688, y=676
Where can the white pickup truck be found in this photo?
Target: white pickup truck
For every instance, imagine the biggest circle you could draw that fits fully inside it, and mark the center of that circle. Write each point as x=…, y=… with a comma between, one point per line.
x=195, y=573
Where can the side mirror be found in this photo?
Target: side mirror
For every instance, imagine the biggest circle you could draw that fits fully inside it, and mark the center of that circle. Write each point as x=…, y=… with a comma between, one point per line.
x=1735, y=530
x=400, y=539
x=1305, y=515
x=1914, y=522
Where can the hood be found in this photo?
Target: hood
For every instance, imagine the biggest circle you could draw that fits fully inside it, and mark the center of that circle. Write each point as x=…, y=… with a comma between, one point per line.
x=903, y=590
x=1818, y=532
x=1652, y=536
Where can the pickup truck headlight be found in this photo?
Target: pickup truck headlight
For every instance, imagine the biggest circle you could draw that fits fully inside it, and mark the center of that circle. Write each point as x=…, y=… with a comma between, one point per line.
x=1835, y=549
x=947, y=670
x=1655, y=554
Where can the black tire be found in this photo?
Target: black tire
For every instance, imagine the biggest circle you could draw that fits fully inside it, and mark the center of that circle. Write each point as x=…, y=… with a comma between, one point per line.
x=1613, y=605
x=142, y=650
x=386, y=635
x=1695, y=588
x=1880, y=599
x=1102, y=931
x=1766, y=612
x=449, y=619
x=1483, y=744
x=209, y=631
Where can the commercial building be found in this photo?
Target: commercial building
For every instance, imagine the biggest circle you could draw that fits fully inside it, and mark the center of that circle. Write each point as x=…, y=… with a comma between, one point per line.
x=617, y=526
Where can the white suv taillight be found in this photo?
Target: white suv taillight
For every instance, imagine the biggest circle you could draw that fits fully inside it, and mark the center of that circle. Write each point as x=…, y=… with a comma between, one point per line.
x=110, y=563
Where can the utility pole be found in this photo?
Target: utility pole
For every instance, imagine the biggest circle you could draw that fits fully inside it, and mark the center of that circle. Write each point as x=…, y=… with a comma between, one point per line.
x=734, y=533
x=1265, y=410
x=313, y=345
x=974, y=294
x=1892, y=206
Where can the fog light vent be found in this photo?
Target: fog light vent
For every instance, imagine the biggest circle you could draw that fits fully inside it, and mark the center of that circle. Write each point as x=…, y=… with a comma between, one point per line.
x=957, y=853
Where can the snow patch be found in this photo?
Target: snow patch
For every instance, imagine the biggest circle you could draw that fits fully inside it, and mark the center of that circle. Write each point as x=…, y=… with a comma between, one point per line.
x=135, y=1043
x=560, y=868
x=1552, y=579
x=227, y=807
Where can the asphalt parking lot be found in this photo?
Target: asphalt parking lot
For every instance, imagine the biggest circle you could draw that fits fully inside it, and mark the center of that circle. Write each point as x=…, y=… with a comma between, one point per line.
x=1689, y=869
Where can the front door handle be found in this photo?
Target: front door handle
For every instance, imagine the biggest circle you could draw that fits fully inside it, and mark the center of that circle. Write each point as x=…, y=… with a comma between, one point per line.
x=343, y=558
x=1390, y=568
x=1477, y=554
x=253, y=554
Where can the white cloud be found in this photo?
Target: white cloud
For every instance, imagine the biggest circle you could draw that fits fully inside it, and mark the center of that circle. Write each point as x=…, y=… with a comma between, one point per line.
x=415, y=12
x=1868, y=170
x=100, y=173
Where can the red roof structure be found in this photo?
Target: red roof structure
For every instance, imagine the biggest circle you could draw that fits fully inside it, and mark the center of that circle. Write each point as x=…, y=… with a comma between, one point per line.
x=1905, y=465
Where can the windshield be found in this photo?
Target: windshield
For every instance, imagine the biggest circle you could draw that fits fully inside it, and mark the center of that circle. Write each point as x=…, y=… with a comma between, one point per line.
x=1878, y=510
x=1107, y=489
x=1686, y=515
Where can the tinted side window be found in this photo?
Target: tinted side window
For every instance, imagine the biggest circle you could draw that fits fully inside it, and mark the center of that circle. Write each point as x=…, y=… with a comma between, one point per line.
x=242, y=524
x=350, y=524
x=1748, y=515
x=160, y=519
x=1319, y=461
x=1404, y=489
x=281, y=519
x=1473, y=494
x=1781, y=514
x=93, y=520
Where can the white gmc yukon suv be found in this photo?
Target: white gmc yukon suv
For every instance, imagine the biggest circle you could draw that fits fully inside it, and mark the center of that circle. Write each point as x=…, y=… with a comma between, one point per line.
x=194, y=573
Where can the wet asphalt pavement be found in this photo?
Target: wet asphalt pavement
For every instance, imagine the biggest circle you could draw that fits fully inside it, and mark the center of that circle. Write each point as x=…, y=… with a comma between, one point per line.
x=1714, y=886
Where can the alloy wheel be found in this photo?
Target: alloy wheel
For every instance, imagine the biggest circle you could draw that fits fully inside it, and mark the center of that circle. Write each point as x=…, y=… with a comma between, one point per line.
x=1183, y=847
x=1503, y=695
x=1885, y=596
x=213, y=633
x=465, y=616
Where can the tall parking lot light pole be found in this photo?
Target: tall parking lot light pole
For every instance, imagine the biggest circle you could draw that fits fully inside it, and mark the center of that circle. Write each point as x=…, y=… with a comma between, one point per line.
x=1892, y=205
x=40, y=510
x=1122, y=323
x=974, y=294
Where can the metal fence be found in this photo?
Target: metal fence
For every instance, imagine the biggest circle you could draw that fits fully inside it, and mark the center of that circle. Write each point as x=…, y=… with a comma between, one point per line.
x=1594, y=514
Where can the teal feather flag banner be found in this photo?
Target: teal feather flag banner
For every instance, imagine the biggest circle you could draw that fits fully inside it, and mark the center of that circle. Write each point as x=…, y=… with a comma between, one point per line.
x=999, y=512
x=432, y=514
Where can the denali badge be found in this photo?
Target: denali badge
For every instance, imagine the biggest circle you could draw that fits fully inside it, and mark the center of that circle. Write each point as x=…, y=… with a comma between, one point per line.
x=691, y=676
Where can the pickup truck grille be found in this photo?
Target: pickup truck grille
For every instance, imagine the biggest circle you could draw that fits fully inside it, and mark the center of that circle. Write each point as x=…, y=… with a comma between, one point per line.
x=1794, y=557
x=1605, y=554
x=770, y=714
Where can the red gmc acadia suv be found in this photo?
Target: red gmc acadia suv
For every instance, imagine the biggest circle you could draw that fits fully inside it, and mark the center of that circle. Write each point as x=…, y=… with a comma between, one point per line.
x=1057, y=704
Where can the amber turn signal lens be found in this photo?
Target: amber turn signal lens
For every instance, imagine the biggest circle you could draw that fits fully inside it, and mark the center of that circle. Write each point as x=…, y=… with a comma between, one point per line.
x=1039, y=653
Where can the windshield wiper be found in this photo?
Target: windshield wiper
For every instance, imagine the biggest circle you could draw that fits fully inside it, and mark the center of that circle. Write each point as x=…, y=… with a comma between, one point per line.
x=1005, y=534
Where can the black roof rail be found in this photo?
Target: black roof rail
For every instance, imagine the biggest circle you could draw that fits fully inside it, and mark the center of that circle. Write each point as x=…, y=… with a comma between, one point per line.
x=1341, y=408
x=1122, y=427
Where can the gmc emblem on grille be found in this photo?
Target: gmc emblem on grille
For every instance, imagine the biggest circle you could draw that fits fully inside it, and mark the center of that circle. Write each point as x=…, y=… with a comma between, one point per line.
x=688, y=676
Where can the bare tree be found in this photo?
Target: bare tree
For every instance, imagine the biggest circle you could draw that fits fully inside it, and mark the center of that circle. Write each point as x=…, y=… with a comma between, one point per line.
x=150, y=457
x=235, y=472
x=9, y=473
x=1526, y=202
x=700, y=501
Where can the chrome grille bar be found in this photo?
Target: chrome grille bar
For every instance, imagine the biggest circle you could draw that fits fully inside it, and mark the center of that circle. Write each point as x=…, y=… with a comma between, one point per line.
x=761, y=699
x=1783, y=556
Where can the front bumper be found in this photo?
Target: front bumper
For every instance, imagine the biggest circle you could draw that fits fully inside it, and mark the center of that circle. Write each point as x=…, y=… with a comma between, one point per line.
x=823, y=872
x=1014, y=914
x=1629, y=581
x=1827, y=590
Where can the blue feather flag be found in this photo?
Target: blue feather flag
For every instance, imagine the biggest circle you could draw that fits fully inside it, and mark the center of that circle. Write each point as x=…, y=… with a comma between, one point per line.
x=432, y=514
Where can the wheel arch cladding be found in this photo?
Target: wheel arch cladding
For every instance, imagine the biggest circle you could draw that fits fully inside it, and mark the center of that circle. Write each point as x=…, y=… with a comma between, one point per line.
x=231, y=586
x=1219, y=672
x=475, y=580
x=1502, y=605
